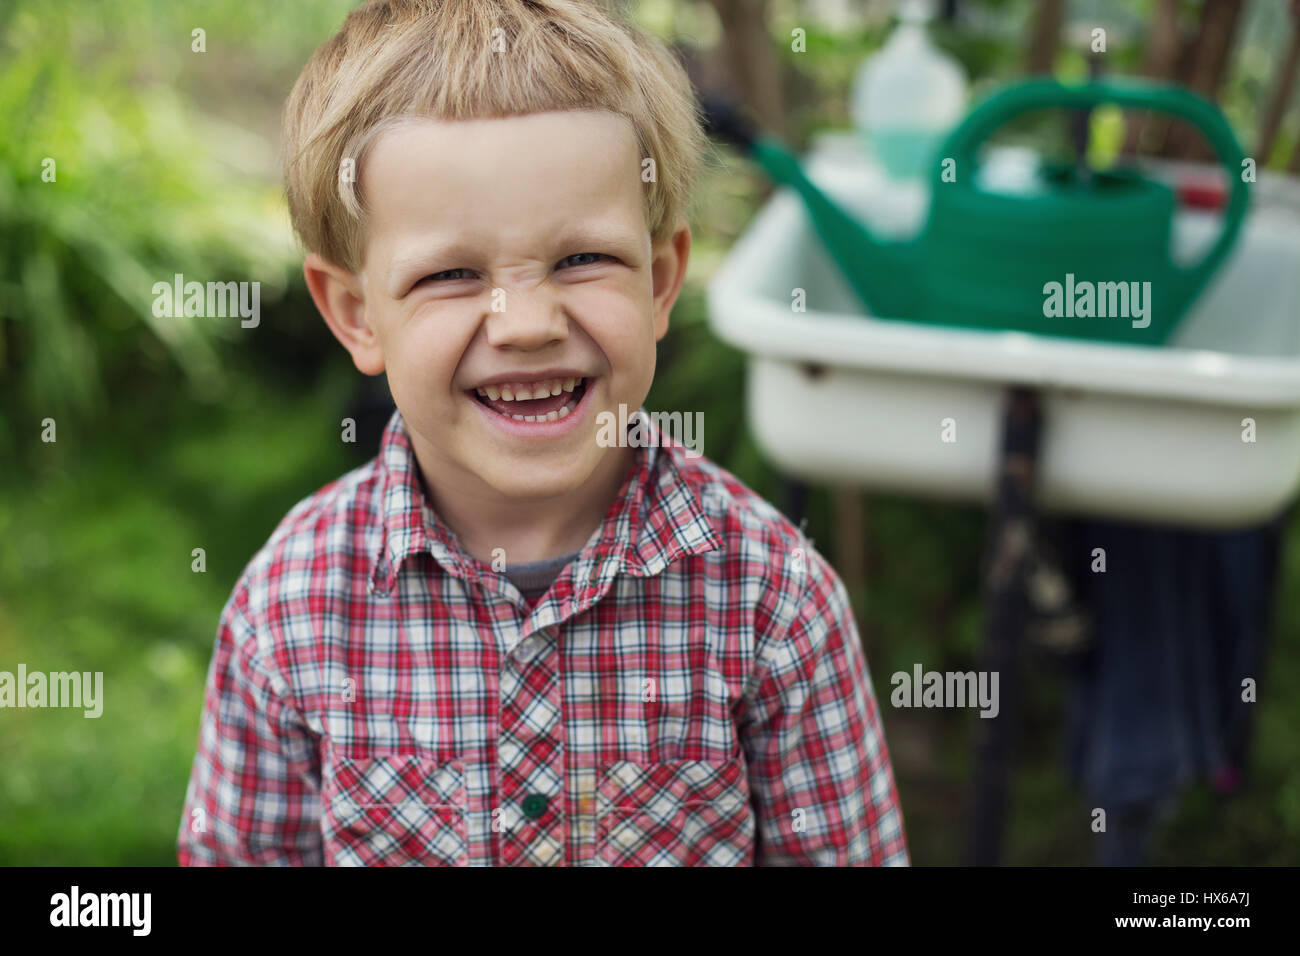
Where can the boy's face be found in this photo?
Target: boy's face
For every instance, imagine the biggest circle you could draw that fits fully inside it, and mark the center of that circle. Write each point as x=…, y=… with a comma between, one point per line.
x=503, y=255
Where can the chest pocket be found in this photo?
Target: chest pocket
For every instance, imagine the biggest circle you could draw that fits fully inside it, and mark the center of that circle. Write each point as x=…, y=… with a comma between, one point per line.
x=681, y=813
x=396, y=811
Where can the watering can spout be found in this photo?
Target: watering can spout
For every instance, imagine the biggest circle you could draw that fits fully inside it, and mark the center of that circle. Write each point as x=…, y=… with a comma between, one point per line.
x=883, y=274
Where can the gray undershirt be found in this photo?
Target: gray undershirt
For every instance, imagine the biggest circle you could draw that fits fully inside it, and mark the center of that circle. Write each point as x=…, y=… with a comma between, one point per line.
x=533, y=578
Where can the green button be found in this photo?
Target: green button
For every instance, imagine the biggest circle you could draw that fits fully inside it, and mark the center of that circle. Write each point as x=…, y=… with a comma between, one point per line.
x=534, y=805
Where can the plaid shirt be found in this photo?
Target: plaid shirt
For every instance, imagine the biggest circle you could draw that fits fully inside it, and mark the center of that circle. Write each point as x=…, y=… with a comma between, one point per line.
x=691, y=690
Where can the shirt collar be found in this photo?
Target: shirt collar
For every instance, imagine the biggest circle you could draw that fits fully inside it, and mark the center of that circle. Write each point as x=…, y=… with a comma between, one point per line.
x=655, y=519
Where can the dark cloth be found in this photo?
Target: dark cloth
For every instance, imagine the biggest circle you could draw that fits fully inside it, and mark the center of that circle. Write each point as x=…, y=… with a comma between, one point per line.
x=1180, y=618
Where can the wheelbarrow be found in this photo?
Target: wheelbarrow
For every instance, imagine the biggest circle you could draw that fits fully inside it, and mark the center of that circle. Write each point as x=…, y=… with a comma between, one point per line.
x=1202, y=431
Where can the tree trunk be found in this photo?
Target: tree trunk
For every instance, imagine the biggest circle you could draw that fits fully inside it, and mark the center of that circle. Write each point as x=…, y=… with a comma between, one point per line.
x=1045, y=37
x=752, y=62
x=1281, y=98
x=1203, y=65
x=1159, y=64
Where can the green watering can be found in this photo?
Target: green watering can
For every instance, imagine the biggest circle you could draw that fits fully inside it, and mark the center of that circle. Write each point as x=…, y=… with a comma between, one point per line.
x=1086, y=256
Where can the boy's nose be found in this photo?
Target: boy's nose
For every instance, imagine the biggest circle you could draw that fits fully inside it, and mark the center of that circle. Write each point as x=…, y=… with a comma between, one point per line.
x=525, y=320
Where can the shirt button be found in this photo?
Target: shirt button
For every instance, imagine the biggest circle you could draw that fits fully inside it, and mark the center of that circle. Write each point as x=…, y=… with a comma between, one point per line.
x=529, y=648
x=534, y=805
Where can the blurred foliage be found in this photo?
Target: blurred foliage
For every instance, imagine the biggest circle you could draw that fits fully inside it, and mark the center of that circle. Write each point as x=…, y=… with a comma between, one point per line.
x=110, y=181
x=177, y=434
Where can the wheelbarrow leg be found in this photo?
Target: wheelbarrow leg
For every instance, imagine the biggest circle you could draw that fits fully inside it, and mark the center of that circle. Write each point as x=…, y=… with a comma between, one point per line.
x=1011, y=535
x=795, y=493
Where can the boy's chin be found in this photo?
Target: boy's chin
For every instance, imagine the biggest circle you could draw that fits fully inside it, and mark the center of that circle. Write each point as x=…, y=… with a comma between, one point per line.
x=539, y=480
x=587, y=470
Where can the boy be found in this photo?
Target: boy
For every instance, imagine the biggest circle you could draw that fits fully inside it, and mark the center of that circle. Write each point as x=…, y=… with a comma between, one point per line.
x=502, y=642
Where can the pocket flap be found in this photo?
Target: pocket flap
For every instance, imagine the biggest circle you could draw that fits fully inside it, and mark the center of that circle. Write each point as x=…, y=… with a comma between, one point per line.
x=667, y=788
x=395, y=781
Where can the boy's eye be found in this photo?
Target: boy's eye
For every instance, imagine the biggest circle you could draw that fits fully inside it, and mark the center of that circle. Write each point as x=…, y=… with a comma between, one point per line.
x=449, y=274
x=589, y=258
x=577, y=259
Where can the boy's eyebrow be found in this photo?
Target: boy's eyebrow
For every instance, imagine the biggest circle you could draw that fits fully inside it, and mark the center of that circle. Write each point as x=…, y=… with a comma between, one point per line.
x=617, y=242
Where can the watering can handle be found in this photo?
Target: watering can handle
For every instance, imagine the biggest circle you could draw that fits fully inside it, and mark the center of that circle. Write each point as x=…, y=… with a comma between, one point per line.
x=1163, y=98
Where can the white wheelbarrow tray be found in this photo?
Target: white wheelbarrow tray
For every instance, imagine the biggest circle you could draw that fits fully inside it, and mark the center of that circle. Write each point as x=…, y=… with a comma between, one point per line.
x=1153, y=434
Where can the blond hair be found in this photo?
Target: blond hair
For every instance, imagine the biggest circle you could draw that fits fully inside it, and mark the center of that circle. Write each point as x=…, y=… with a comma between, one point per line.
x=439, y=59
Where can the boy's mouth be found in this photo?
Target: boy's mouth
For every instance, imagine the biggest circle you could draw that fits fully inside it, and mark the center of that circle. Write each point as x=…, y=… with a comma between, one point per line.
x=548, y=400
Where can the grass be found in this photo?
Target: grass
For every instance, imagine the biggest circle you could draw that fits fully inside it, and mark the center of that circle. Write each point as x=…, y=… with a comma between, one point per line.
x=97, y=575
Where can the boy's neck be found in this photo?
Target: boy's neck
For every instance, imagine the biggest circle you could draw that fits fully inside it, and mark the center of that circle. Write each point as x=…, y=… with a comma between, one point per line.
x=525, y=529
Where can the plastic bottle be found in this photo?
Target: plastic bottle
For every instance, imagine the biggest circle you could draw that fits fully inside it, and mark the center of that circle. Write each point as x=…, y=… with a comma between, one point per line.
x=907, y=96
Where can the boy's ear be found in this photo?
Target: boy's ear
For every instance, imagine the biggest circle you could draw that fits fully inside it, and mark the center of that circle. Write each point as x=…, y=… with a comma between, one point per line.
x=668, y=270
x=339, y=297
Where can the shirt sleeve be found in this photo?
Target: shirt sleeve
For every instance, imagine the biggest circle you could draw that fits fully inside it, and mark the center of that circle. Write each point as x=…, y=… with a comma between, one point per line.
x=254, y=790
x=820, y=777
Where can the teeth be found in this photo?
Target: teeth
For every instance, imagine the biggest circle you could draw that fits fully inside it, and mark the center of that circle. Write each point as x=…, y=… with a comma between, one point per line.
x=523, y=392
x=549, y=416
